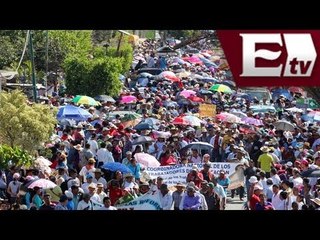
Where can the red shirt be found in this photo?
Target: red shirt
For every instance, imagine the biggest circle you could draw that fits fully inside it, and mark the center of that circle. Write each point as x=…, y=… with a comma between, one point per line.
x=115, y=194
x=253, y=201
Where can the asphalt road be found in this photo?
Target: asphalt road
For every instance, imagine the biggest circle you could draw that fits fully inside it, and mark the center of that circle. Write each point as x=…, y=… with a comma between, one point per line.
x=235, y=203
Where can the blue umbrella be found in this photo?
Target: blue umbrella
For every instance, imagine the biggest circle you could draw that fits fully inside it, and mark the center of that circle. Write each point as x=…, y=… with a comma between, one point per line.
x=145, y=75
x=73, y=112
x=143, y=126
x=116, y=166
x=151, y=121
x=209, y=79
x=208, y=63
x=279, y=91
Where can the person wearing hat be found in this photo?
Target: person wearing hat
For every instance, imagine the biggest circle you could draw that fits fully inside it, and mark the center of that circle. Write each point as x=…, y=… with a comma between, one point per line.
x=92, y=192
x=195, y=176
x=144, y=187
x=127, y=159
x=257, y=190
x=129, y=181
x=88, y=168
x=98, y=178
x=89, y=180
x=85, y=203
x=191, y=201
x=177, y=195
x=265, y=160
x=14, y=188
x=62, y=205
x=70, y=204
x=86, y=154
x=206, y=173
x=166, y=197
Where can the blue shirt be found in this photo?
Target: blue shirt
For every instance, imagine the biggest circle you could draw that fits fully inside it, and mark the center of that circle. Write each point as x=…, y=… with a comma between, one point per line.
x=135, y=170
x=192, y=202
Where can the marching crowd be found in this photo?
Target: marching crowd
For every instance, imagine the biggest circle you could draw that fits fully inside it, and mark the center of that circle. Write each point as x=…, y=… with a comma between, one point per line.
x=277, y=162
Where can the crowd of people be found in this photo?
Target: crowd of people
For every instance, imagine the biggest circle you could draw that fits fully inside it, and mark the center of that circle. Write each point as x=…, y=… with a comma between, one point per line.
x=276, y=161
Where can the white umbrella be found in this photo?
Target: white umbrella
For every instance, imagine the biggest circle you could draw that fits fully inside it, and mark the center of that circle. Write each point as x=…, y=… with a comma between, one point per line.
x=284, y=125
x=294, y=109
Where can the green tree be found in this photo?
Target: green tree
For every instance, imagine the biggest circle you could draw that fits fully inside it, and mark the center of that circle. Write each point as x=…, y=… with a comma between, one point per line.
x=23, y=125
x=64, y=43
x=125, y=54
x=93, y=76
x=10, y=156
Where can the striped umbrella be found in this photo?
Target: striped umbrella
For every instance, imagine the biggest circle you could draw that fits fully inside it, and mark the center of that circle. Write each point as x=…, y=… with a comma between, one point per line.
x=80, y=99
x=220, y=88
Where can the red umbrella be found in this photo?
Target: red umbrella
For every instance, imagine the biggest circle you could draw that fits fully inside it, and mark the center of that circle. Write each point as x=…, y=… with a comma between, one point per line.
x=196, y=99
x=180, y=121
x=296, y=90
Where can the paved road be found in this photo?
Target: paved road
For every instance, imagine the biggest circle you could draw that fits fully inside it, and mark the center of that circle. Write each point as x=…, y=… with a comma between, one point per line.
x=235, y=203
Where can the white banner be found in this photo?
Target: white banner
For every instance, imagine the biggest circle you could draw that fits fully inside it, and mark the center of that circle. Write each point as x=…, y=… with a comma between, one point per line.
x=148, y=201
x=178, y=173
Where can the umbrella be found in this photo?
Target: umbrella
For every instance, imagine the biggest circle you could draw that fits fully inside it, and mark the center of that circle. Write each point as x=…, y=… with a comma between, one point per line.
x=145, y=75
x=208, y=63
x=311, y=173
x=116, y=166
x=171, y=104
x=180, y=121
x=151, y=121
x=184, y=101
x=294, y=109
x=104, y=98
x=169, y=76
x=252, y=121
x=143, y=126
x=142, y=140
x=193, y=60
x=229, y=83
x=275, y=93
x=130, y=117
x=221, y=88
x=196, y=99
x=205, y=92
x=160, y=134
x=284, y=125
x=228, y=117
x=67, y=122
x=183, y=74
x=73, y=112
x=192, y=120
x=147, y=160
x=79, y=99
x=297, y=90
x=311, y=116
x=187, y=93
x=128, y=99
x=262, y=109
x=209, y=79
x=239, y=114
x=42, y=183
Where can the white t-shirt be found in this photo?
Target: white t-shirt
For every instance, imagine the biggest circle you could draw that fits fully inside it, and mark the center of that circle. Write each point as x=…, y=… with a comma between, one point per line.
x=83, y=172
x=108, y=208
x=14, y=186
x=82, y=205
x=101, y=180
x=104, y=156
x=93, y=146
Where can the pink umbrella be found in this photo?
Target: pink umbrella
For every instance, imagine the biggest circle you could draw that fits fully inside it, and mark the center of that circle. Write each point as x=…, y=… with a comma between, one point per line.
x=228, y=117
x=169, y=76
x=252, y=121
x=42, y=183
x=128, y=99
x=187, y=93
x=146, y=160
x=193, y=60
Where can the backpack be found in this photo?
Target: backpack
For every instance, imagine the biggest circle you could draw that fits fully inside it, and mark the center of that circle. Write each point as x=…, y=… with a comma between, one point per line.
x=64, y=185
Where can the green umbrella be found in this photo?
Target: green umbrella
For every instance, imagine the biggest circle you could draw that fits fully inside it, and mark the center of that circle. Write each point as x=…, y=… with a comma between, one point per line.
x=220, y=88
x=79, y=99
x=130, y=117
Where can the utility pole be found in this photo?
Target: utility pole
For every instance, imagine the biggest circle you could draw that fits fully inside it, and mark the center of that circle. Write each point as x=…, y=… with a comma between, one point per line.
x=33, y=69
x=47, y=62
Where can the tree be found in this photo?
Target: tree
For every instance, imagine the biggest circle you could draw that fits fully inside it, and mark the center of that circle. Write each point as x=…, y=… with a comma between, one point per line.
x=125, y=54
x=10, y=156
x=93, y=76
x=24, y=125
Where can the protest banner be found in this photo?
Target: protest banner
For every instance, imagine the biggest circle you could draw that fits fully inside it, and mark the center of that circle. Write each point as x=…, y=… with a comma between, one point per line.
x=148, y=201
x=207, y=110
x=178, y=173
x=236, y=179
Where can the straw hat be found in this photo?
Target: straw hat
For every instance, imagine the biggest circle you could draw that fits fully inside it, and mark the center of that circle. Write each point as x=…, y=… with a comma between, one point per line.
x=265, y=149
